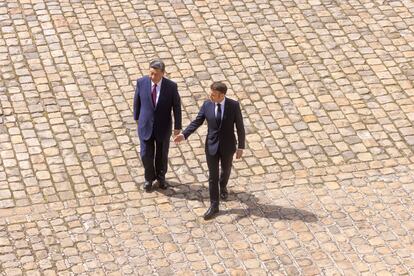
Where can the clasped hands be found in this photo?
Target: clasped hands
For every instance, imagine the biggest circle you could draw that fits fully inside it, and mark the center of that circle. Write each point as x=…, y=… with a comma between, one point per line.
x=179, y=137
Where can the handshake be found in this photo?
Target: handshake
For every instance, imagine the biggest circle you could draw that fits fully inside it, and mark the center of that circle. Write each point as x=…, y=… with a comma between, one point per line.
x=178, y=136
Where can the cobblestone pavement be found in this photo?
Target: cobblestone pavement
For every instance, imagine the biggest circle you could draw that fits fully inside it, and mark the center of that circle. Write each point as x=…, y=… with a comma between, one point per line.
x=326, y=183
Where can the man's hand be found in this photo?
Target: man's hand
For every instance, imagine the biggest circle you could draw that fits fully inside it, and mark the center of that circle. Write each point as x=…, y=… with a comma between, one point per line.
x=239, y=153
x=179, y=138
x=176, y=132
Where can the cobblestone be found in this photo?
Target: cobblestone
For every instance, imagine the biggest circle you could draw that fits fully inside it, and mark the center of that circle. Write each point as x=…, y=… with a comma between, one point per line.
x=325, y=184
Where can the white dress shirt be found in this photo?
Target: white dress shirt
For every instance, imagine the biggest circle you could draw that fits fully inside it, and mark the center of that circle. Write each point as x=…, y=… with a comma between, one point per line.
x=158, y=90
x=222, y=108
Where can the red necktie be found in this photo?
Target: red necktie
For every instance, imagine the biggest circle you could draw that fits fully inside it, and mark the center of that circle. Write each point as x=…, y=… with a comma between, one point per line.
x=154, y=94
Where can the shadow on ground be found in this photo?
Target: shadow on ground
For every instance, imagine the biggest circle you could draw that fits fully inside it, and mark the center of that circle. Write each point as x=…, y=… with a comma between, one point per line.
x=253, y=207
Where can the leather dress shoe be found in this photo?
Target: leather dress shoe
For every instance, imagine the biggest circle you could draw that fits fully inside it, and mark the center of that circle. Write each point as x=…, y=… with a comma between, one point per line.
x=224, y=194
x=163, y=184
x=211, y=212
x=147, y=186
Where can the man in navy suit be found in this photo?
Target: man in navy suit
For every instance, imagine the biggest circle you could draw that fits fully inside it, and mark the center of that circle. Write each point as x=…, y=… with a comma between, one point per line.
x=155, y=98
x=222, y=115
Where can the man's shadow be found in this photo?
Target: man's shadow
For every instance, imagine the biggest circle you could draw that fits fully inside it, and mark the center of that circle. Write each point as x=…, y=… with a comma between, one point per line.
x=254, y=208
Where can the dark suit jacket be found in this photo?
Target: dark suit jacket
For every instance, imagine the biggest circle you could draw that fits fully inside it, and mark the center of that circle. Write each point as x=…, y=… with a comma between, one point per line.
x=156, y=120
x=220, y=138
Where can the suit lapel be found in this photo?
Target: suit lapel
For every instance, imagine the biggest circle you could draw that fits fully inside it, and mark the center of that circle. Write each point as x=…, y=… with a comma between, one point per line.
x=162, y=92
x=226, y=110
x=212, y=111
x=148, y=91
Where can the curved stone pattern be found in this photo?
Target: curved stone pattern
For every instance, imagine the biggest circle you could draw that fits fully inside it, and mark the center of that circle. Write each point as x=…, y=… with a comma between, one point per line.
x=325, y=186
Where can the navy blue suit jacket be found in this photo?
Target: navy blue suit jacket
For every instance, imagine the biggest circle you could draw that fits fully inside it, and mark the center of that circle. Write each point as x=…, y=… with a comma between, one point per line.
x=158, y=120
x=220, y=138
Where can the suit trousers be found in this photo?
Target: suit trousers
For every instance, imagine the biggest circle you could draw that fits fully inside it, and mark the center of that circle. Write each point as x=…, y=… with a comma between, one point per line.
x=154, y=156
x=217, y=179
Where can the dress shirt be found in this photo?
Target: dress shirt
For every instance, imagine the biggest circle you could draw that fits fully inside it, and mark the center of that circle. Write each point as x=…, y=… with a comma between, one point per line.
x=158, y=89
x=222, y=108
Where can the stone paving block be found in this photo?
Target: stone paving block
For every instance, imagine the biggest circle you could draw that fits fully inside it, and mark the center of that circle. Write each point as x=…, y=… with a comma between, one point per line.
x=324, y=186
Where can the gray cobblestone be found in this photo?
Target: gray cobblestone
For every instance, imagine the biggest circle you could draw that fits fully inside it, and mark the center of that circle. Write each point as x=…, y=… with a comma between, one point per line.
x=325, y=184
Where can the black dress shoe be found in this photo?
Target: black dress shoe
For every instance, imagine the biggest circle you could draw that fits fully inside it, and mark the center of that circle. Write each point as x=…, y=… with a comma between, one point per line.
x=224, y=194
x=211, y=212
x=163, y=184
x=147, y=186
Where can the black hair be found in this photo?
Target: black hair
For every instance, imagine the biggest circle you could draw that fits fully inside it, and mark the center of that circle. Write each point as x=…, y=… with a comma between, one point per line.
x=219, y=86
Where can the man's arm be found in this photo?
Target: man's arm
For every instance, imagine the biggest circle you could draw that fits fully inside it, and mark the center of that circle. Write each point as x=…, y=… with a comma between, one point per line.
x=193, y=126
x=177, y=111
x=241, y=135
x=137, y=103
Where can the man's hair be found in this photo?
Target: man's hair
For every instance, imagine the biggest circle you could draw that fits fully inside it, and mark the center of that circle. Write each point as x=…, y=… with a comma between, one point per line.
x=219, y=86
x=158, y=64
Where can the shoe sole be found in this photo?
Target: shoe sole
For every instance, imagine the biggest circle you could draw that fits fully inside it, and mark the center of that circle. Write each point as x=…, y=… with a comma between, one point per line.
x=212, y=216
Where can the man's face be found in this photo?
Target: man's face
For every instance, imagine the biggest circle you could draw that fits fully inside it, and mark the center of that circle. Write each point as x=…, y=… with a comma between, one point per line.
x=216, y=96
x=155, y=75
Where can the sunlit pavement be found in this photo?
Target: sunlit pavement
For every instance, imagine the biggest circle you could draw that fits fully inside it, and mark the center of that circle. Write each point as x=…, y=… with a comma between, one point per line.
x=325, y=186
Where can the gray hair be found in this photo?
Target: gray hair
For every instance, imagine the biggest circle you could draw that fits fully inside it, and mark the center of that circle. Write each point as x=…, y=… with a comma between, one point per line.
x=158, y=64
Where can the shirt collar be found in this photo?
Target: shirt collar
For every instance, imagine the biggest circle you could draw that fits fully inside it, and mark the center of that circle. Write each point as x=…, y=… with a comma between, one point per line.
x=222, y=102
x=158, y=84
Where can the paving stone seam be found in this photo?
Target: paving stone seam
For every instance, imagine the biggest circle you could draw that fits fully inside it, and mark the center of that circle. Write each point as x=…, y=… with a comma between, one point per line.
x=347, y=169
x=13, y=121
x=351, y=43
x=395, y=82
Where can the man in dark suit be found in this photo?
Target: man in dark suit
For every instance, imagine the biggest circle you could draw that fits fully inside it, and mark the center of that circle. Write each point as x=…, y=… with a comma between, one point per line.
x=155, y=98
x=222, y=115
